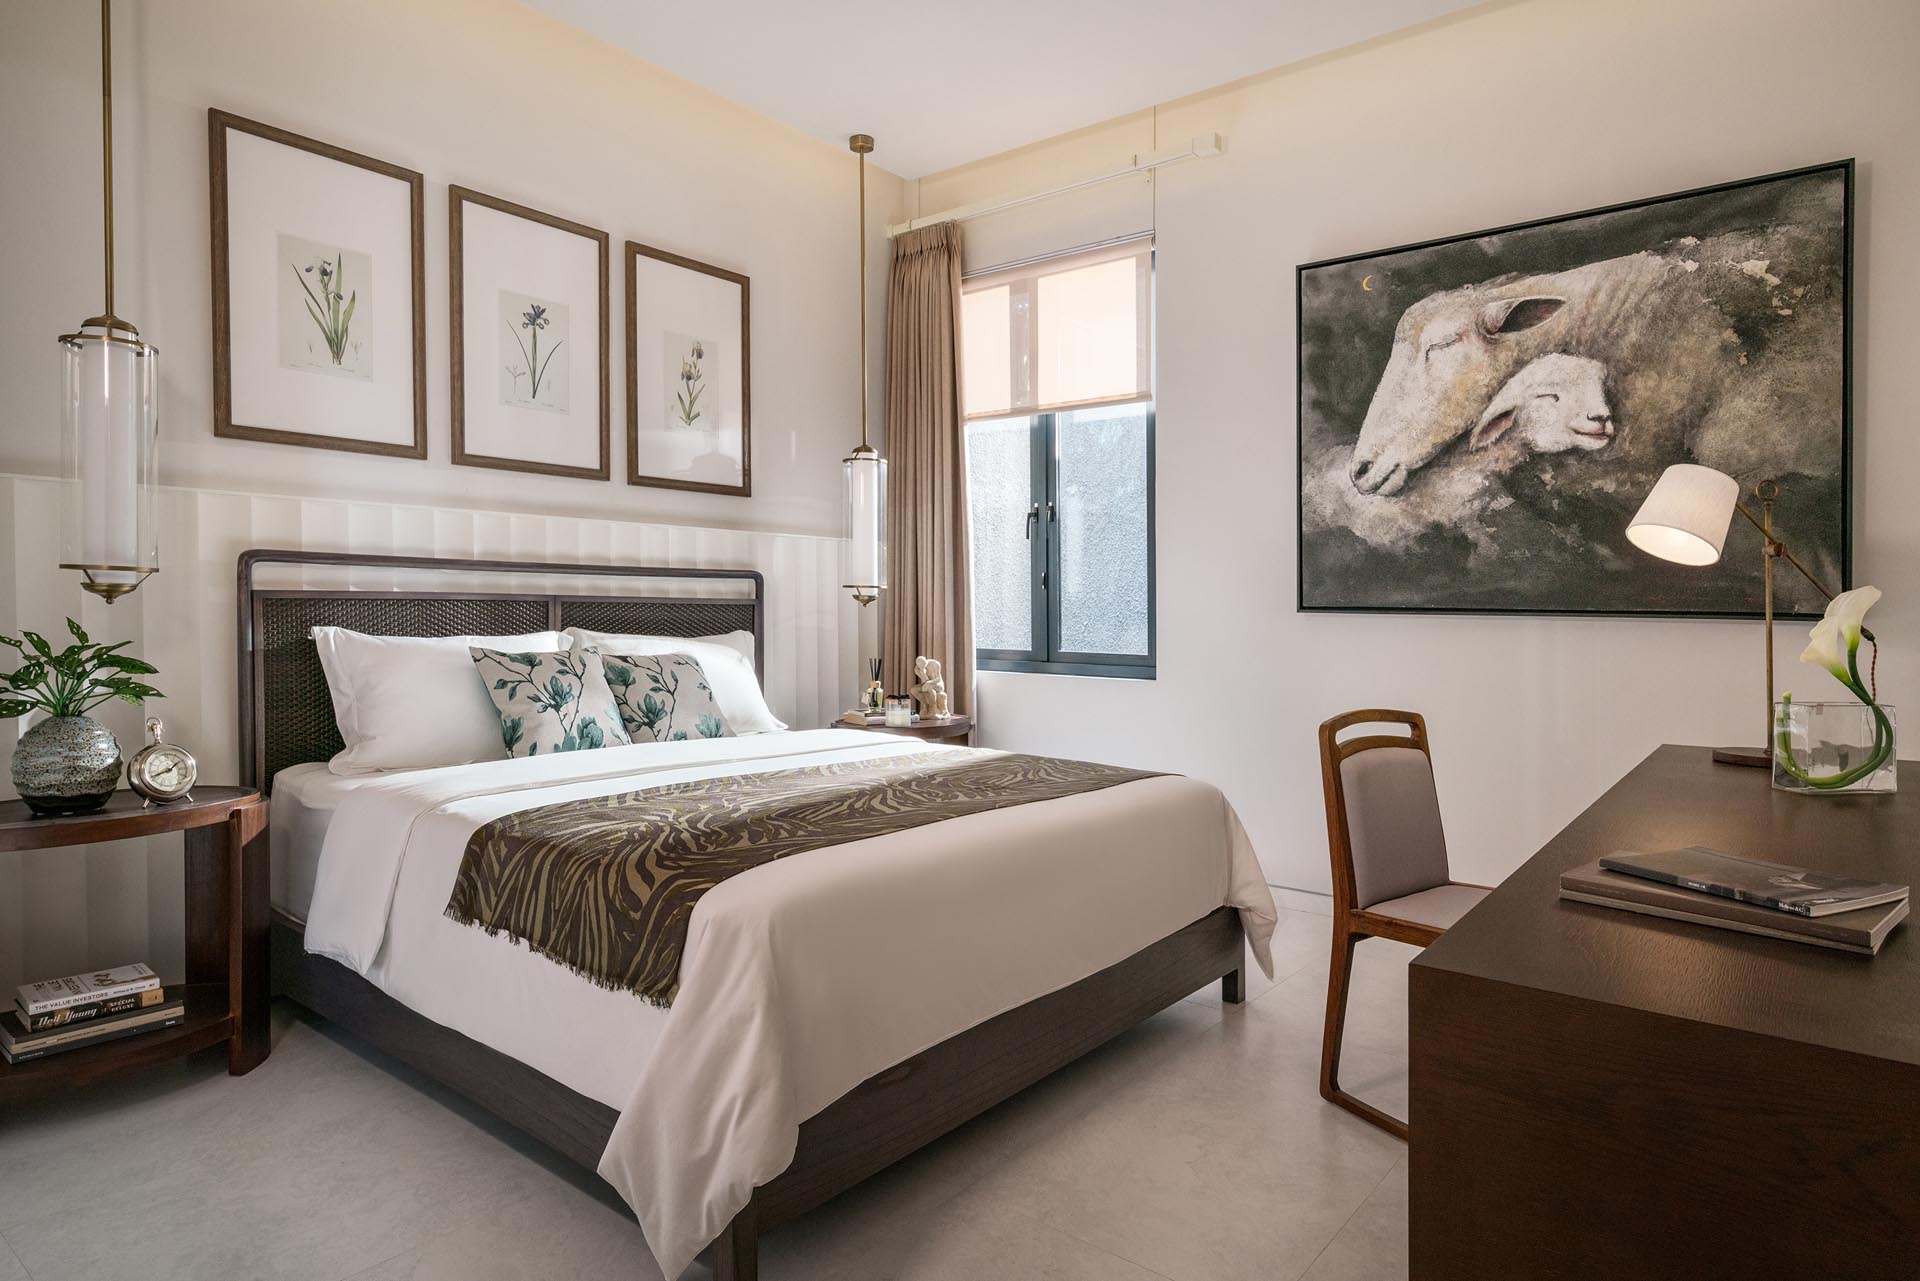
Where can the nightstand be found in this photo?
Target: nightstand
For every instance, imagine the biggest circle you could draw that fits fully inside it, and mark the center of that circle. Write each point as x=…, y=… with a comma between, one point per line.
x=226, y=931
x=954, y=728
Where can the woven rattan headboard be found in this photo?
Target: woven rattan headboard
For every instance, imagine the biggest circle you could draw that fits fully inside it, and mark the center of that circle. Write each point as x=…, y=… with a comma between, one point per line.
x=286, y=713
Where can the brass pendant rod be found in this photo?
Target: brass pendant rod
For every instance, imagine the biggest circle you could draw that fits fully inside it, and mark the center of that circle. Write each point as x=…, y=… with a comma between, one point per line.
x=863, y=299
x=106, y=135
x=860, y=144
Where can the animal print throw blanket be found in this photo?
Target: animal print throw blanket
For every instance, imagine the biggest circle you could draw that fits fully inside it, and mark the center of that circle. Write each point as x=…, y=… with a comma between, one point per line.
x=606, y=885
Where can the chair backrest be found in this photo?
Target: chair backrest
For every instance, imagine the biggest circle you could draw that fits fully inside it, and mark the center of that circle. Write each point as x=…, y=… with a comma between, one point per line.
x=1383, y=812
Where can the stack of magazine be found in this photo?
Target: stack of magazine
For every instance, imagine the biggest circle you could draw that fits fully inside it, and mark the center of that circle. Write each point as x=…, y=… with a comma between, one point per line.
x=55, y=1015
x=1713, y=887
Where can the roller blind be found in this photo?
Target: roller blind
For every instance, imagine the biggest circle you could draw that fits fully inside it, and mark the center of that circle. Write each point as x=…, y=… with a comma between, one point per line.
x=1070, y=332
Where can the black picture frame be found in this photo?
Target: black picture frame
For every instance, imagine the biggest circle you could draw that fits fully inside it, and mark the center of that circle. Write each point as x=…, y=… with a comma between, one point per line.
x=1307, y=602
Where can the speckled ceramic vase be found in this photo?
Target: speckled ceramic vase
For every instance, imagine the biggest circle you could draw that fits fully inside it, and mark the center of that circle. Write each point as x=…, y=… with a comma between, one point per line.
x=66, y=765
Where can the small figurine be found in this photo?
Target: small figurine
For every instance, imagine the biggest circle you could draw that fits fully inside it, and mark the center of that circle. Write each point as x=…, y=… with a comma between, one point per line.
x=930, y=690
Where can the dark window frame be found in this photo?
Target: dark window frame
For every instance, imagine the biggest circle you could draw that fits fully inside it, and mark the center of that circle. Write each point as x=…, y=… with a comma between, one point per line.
x=1043, y=550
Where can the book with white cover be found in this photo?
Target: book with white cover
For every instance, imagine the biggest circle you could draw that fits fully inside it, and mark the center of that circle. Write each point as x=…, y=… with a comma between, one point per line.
x=79, y=989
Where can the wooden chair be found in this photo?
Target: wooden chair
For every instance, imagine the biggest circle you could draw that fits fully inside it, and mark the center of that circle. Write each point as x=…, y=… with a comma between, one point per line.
x=1390, y=875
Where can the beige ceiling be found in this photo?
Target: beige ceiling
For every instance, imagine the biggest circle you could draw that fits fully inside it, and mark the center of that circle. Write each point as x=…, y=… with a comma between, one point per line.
x=940, y=85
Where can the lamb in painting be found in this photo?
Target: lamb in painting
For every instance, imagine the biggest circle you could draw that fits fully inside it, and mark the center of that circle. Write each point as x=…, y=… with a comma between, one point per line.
x=1558, y=402
x=1709, y=356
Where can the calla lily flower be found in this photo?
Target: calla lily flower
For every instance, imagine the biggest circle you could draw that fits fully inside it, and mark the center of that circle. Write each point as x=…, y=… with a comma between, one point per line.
x=1835, y=645
x=1836, y=637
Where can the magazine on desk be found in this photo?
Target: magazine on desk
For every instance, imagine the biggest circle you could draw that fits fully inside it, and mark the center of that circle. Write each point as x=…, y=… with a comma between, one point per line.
x=1779, y=886
x=1861, y=930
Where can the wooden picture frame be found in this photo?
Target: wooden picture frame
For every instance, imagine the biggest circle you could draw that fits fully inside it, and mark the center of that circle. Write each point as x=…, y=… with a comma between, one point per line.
x=645, y=421
x=1711, y=326
x=458, y=198
x=237, y=413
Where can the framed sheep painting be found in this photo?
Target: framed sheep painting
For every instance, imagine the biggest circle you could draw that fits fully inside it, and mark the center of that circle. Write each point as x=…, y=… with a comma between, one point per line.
x=1480, y=416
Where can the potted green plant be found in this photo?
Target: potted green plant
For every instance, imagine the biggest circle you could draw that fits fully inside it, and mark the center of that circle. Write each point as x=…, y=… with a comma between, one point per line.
x=68, y=763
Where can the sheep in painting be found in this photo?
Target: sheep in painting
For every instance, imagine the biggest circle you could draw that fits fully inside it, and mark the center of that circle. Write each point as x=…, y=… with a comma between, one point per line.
x=1716, y=348
x=1556, y=403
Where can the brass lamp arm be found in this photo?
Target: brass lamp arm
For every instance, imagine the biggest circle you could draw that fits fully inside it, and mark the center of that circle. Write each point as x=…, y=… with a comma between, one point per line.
x=1777, y=548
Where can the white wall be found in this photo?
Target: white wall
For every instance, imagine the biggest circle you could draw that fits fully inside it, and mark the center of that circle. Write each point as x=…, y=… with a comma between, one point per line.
x=489, y=94
x=486, y=93
x=1509, y=112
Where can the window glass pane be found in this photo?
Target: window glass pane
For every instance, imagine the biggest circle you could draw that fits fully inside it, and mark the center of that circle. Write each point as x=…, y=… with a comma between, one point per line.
x=1089, y=334
x=1100, y=465
x=999, y=491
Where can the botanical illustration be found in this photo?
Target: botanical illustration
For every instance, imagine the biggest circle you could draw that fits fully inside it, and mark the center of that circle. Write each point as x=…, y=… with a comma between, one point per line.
x=534, y=354
x=325, y=308
x=689, y=361
x=1481, y=417
x=539, y=698
x=664, y=698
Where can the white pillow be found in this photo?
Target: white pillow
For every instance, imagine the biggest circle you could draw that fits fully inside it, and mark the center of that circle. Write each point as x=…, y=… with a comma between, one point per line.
x=727, y=661
x=413, y=702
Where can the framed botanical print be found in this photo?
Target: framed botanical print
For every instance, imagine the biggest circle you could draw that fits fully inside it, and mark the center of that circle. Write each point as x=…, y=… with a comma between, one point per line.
x=1481, y=416
x=528, y=340
x=687, y=374
x=319, y=293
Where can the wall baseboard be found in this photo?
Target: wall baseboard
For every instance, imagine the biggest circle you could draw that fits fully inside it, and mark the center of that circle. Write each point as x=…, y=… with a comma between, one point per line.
x=1308, y=901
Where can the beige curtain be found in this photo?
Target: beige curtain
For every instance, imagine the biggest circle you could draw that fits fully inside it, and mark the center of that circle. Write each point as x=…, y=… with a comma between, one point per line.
x=929, y=604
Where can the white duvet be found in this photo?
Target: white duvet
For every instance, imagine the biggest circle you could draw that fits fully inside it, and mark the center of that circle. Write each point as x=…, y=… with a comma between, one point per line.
x=800, y=978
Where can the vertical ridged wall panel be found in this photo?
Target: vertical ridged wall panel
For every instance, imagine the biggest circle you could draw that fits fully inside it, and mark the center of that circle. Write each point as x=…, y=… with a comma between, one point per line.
x=66, y=910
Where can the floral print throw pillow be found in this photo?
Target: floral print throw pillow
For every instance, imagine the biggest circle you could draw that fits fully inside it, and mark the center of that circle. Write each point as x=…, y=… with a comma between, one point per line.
x=550, y=702
x=663, y=698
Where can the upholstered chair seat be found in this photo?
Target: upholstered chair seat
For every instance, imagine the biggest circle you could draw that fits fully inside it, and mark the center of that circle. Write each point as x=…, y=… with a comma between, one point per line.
x=1438, y=907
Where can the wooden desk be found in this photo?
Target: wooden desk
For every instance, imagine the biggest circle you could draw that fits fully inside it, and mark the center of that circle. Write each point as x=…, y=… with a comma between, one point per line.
x=1600, y=1094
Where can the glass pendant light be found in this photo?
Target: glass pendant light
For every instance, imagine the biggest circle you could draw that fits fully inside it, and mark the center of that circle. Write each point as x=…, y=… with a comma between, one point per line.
x=866, y=470
x=110, y=419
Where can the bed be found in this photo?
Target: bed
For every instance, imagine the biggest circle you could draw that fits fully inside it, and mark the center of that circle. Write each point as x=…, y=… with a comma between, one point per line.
x=836, y=1010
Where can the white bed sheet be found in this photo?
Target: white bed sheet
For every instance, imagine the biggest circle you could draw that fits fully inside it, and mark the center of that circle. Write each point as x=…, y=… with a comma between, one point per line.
x=934, y=929
x=304, y=799
x=489, y=988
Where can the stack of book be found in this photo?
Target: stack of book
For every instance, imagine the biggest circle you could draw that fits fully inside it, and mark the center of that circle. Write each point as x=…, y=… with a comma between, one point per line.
x=1713, y=887
x=858, y=717
x=86, y=1009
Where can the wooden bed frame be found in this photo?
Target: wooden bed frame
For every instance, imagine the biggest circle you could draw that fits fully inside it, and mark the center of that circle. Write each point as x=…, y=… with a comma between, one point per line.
x=885, y=1118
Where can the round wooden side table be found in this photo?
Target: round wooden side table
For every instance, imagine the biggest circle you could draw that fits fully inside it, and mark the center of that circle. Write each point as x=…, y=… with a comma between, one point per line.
x=953, y=728
x=226, y=931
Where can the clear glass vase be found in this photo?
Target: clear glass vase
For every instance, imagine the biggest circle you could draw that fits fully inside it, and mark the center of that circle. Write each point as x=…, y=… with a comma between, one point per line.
x=1827, y=739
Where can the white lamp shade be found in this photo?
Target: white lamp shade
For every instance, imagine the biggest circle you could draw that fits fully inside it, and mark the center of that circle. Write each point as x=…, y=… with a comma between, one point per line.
x=1686, y=514
x=110, y=529
x=866, y=571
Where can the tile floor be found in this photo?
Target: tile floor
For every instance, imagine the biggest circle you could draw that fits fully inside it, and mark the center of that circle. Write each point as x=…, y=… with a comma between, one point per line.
x=1194, y=1148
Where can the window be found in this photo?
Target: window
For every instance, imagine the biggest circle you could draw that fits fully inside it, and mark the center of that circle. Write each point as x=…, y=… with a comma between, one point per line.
x=1061, y=488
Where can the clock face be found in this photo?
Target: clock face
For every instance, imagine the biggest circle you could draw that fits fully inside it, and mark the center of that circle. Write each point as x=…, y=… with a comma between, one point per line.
x=168, y=771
